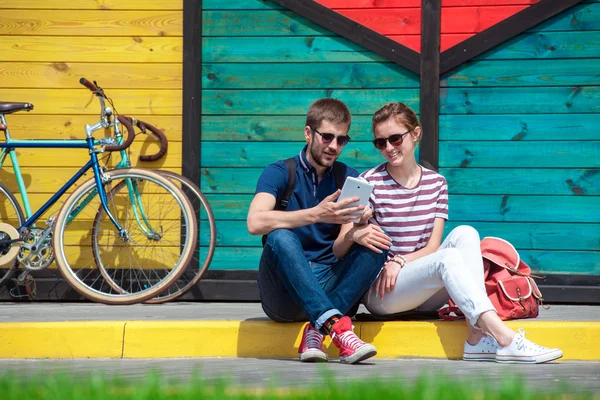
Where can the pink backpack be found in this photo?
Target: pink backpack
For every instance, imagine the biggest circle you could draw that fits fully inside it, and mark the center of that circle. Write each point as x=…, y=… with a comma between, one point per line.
x=508, y=283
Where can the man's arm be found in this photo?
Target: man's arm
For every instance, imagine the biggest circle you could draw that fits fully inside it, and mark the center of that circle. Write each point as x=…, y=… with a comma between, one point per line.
x=262, y=219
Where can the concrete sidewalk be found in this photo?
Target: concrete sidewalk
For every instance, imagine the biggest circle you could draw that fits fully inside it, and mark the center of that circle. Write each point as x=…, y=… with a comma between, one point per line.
x=85, y=330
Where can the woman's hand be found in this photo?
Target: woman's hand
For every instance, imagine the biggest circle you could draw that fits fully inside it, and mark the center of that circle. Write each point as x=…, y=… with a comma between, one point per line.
x=370, y=236
x=387, y=278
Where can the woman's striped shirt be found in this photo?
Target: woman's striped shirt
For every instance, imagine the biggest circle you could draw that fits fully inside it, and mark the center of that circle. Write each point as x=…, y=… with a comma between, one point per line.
x=407, y=215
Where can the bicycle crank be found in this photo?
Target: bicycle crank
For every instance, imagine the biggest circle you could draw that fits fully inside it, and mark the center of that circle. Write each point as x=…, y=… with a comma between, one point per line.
x=9, y=252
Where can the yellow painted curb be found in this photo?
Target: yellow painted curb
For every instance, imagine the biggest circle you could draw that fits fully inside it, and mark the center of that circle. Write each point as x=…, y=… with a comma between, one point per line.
x=261, y=339
x=94, y=339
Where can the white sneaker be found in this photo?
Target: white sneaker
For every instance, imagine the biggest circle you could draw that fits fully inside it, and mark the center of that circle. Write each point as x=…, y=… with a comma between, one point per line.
x=522, y=350
x=485, y=350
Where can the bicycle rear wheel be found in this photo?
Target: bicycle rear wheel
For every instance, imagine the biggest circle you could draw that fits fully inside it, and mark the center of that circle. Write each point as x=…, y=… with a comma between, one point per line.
x=207, y=236
x=11, y=214
x=160, y=234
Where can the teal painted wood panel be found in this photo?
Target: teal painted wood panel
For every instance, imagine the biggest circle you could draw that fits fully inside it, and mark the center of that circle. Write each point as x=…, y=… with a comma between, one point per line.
x=466, y=208
x=524, y=208
x=503, y=181
x=259, y=23
x=557, y=262
x=500, y=73
x=535, y=236
x=284, y=49
x=271, y=128
x=240, y=5
x=521, y=127
x=538, y=181
x=252, y=154
x=502, y=100
x=305, y=76
x=546, y=45
x=566, y=154
x=268, y=22
x=578, y=18
x=297, y=102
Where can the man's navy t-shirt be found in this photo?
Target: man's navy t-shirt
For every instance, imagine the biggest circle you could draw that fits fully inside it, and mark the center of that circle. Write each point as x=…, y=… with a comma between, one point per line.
x=317, y=239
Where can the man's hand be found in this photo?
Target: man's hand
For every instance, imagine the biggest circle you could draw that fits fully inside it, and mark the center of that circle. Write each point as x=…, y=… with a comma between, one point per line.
x=334, y=213
x=387, y=278
x=370, y=236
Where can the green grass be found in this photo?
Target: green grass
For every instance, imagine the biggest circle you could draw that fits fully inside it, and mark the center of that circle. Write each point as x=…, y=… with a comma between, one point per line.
x=153, y=386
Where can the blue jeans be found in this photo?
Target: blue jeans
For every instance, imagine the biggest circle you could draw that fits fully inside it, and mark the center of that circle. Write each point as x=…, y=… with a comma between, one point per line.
x=294, y=289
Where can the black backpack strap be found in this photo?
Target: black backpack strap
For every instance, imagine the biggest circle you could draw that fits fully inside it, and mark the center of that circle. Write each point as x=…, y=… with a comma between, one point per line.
x=282, y=203
x=290, y=164
x=339, y=173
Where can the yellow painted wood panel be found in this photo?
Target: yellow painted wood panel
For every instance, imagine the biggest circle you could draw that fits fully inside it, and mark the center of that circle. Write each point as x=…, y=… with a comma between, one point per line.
x=108, y=75
x=82, y=101
x=59, y=127
x=91, y=23
x=78, y=157
x=94, y=4
x=97, y=50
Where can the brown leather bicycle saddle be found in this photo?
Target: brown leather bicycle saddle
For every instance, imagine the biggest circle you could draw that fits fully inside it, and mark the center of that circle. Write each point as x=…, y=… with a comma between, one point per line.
x=7, y=108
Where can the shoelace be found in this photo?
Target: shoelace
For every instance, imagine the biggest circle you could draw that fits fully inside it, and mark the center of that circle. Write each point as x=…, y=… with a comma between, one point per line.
x=314, y=339
x=528, y=343
x=349, y=339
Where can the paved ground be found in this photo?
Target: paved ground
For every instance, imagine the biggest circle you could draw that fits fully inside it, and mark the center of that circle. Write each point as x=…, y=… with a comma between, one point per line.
x=42, y=312
x=267, y=373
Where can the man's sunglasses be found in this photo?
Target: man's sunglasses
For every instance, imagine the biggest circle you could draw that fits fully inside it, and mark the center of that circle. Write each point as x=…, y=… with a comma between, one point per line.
x=342, y=140
x=395, y=140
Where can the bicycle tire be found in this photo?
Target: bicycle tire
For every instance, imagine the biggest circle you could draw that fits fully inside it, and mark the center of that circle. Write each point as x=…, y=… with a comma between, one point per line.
x=79, y=267
x=196, y=267
x=12, y=214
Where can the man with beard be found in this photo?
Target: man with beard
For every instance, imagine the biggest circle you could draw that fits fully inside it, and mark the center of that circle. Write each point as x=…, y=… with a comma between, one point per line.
x=300, y=278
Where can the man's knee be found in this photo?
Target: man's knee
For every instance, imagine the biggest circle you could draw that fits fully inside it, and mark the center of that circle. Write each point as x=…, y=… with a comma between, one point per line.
x=281, y=238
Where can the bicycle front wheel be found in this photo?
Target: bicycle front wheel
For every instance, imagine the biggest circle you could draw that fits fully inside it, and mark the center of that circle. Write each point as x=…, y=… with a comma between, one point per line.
x=152, y=251
x=11, y=214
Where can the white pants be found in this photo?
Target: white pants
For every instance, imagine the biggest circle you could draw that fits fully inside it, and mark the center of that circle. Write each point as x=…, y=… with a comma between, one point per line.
x=454, y=271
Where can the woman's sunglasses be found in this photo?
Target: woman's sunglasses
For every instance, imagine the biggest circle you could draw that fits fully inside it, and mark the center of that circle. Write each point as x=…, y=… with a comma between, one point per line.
x=395, y=140
x=342, y=140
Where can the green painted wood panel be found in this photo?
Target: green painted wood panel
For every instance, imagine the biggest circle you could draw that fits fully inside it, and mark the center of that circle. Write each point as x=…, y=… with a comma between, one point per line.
x=240, y=5
x=489, y=208
x=502, y=100
x=535, y=236
x=521, y=127
x=259, y=23
x=578, y=18
x=533, y=181
x=567, y=154
x=284, y=49
x=500, y=73
x=297, y=102
x=252, y=154
x=270, y=128
x=557, y=262
x=504, y=181
x=305, y=76
x=547, y=45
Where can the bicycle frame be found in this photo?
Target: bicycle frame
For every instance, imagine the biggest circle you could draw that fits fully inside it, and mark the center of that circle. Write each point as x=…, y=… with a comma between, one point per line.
x=9, y=147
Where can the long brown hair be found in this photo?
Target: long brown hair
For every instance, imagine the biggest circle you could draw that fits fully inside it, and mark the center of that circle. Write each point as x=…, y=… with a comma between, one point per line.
x=401, y=114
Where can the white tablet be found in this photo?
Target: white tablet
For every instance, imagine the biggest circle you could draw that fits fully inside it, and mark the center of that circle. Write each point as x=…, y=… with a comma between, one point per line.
x=356, y=187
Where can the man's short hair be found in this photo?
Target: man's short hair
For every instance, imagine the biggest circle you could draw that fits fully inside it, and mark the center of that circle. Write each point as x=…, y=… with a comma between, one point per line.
x=332, y=110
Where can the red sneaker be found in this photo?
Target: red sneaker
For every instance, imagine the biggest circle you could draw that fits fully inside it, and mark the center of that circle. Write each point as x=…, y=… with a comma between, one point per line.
x=352, y=349
x=311, y=346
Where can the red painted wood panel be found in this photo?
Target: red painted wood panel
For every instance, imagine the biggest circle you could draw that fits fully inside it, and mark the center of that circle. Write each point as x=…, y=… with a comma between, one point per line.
x=400, y=20
x=340, y=4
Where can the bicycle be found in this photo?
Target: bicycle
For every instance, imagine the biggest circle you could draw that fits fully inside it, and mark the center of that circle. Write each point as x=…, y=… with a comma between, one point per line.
x=197, y=266
x=134, y=223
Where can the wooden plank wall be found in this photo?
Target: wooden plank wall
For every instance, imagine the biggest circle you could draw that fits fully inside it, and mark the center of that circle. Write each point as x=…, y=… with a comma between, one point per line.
x=520, y=142
x=400, y=20
x=132, y=48
x=262, y=68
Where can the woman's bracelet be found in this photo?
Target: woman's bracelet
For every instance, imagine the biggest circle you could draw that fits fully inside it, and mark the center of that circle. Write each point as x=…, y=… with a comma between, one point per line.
x=400, y=259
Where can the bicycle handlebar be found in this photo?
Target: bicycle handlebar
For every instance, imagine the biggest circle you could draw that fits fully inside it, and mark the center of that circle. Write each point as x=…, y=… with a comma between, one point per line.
x=88, y=84
x=130, y=135
x=164, y=142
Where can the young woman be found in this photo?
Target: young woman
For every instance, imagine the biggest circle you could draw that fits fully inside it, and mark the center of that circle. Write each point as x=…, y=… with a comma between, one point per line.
x=410, y=204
